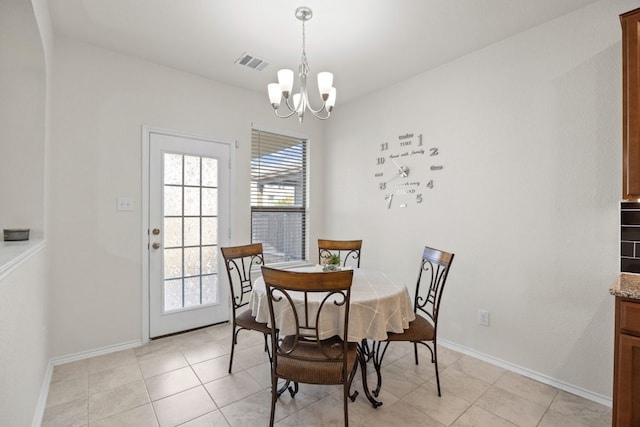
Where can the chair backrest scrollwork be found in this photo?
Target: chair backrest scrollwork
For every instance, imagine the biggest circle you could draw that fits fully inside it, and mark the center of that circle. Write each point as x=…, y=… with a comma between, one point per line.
x=434, y=269
x=240, y=261
x=347, y=250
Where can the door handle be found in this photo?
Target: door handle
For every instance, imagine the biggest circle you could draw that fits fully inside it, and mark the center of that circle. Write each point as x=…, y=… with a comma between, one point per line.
x=156, y=245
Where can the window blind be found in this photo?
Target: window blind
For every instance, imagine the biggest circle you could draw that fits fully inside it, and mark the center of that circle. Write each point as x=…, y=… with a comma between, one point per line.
x=278, y=195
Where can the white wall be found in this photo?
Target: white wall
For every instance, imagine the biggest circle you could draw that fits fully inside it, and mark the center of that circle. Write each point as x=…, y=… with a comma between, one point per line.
x=529, y=131
x=24, y=288
x=101, y=100
x=23, y=334
x=22, y=110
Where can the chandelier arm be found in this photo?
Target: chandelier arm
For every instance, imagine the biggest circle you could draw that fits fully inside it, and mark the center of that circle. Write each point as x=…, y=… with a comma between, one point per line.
x=319, y=110
x=304, y=73
x=283, y=116
x=318, y=116
x=290, y=105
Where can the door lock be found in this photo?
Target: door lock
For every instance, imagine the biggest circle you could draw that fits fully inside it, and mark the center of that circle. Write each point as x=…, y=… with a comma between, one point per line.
x=156, y=231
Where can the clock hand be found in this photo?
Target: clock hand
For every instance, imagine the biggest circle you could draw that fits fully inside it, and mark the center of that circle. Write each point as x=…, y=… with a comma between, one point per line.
x=403, y=170
x=396, y=163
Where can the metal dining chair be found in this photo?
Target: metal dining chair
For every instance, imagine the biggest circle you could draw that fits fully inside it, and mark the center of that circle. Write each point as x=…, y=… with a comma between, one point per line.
x=304, y=356
x=239, y=262
x=346, y=250
x=434, y=269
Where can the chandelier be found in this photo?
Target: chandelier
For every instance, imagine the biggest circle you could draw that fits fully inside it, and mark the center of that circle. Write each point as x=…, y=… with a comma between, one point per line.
x=299, y=102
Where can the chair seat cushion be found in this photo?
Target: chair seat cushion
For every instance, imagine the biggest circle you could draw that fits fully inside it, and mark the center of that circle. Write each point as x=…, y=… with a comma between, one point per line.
x=318, y=369
x=419, y=330
x=247, y=321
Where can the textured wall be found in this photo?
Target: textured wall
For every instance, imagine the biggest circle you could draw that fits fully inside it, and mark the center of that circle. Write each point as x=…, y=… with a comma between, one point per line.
x=529, y=135
x=100, y=102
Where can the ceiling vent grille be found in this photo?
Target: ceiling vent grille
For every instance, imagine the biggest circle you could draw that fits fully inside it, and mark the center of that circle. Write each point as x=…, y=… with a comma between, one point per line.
x=251, y=61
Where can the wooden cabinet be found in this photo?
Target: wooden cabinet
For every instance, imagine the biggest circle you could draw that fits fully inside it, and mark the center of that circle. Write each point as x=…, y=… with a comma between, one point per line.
x=626, y=365
x=630, y=22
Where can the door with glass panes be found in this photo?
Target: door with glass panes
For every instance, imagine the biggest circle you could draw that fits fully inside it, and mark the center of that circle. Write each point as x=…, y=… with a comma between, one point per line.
x=189, y=183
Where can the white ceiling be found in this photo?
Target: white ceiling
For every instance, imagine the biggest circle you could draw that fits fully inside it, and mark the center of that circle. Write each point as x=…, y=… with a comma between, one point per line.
x=367, y=44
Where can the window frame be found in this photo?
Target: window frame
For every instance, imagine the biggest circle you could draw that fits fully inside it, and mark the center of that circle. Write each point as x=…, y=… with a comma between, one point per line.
x=301, y=208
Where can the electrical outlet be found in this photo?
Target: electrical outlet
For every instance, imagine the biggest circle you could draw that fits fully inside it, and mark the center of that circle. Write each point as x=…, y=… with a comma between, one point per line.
x=483, y=317
x=125, y=203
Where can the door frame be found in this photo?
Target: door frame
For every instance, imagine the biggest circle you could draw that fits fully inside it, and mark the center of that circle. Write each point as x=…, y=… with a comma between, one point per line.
x=225, y=238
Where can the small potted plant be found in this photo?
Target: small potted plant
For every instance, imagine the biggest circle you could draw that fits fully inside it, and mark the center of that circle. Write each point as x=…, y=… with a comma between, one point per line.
x=332, y=263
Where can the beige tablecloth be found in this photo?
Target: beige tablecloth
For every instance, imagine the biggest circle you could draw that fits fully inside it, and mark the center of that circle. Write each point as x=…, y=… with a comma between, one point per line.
x=379, y=304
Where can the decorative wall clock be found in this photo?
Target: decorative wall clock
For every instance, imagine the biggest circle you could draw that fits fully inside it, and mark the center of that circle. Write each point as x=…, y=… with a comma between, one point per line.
x=405, y=170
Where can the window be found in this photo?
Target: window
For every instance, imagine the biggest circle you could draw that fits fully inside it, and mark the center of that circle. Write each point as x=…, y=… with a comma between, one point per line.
x=278, y=195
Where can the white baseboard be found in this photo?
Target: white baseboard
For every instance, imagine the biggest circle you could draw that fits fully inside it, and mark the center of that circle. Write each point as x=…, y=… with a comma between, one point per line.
x=561, y=385
x=42, y=399
x=44, y=390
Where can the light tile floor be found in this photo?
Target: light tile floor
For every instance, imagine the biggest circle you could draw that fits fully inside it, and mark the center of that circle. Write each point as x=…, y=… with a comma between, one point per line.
x=183, y=380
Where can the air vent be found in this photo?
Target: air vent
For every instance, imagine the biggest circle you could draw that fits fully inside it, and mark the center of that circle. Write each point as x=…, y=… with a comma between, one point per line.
x=251, y=61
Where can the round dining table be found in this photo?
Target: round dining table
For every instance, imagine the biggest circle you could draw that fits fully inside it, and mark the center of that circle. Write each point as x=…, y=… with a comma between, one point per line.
x=380, y=303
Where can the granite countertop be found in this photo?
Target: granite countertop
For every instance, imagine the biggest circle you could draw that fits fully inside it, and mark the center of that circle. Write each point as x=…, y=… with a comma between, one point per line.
x=627, y=286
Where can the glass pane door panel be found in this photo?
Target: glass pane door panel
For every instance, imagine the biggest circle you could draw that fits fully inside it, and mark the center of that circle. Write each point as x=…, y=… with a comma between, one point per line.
x=191, y=201
x=209, y=259
x=191, y=170
x=190, y=221
x=172, y=232
x=173, y=169
x=209, y=286
x=192, y=291
x=210, y=201
x=209, y=172
x=172, y=200
x=172, y=295
x=172, y=263
x=191, y=261
x=209, y=231
x=192, y=231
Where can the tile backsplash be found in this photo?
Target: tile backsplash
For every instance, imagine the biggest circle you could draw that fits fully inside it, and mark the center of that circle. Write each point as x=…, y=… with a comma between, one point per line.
x=630, y=237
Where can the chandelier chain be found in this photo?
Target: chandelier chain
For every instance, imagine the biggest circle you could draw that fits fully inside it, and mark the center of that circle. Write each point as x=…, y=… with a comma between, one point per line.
x=304, y=52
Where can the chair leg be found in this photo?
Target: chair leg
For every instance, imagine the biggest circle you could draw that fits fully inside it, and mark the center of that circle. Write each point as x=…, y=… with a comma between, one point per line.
x=274, y=397
x=435, y=362
x=350, y=382
x=345, y=394
x=377, y=364
x=266, y=347
x=293, y=390
x=415, y=351
x=234, y=338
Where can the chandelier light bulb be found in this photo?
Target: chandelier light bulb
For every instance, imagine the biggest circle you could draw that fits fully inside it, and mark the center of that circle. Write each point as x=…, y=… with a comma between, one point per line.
x=297, y=103
x=285, y=80
x=275, y=94
x=325, y=82
x=331, y=101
